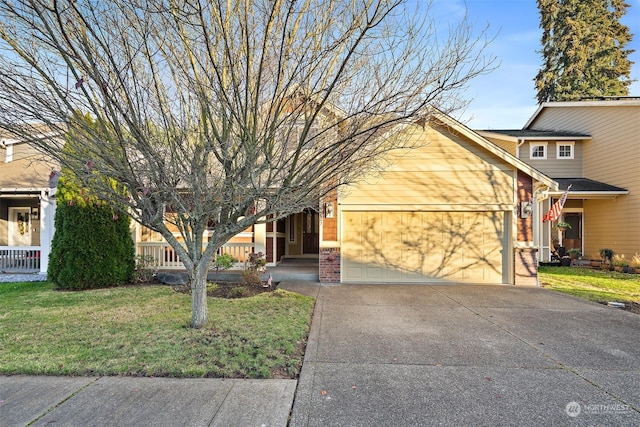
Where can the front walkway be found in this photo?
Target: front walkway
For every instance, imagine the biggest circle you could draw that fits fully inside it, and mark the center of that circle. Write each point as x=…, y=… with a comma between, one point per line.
x=403, y=355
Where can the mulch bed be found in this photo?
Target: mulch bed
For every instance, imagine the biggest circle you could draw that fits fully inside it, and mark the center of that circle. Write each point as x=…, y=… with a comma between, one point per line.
x=230, y=290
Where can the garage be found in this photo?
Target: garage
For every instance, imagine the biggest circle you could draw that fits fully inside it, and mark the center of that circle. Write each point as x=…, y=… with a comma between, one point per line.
x=442, y=206
x=423, y=247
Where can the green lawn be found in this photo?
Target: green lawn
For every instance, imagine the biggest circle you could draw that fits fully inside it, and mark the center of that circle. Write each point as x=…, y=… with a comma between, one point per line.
x=594, y=285
x=144, y=331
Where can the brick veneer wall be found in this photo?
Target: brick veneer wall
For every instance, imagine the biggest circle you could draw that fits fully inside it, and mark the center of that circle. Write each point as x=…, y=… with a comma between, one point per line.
x=329, y=261
x=525, y=259
x=526, y=266
x=525, y=194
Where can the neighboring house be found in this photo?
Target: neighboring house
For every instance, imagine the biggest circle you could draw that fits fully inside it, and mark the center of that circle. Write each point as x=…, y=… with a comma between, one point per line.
x=27, y=207
x=594, y=146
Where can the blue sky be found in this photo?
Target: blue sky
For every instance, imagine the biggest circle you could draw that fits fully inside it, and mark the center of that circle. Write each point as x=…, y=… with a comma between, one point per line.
x=505, y=98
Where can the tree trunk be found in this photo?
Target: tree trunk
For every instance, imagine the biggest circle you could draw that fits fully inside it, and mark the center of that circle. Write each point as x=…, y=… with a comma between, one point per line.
x=198, y=285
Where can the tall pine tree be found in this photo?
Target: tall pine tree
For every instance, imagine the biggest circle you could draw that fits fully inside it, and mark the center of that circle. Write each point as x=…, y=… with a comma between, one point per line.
x=583, y=50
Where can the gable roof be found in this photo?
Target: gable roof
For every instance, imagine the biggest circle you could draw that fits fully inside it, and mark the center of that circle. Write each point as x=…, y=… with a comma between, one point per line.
x=29, y=174
x=494, y=149
x=617, y=101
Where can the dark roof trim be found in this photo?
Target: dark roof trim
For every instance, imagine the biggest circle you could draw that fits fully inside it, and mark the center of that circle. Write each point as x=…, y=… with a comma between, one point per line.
x=532, y=134
x=584, y=188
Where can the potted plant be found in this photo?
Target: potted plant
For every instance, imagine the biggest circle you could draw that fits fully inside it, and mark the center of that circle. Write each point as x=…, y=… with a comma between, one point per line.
x=574, y=253
x=563, y=226
x=620, y=263
x=607, y=258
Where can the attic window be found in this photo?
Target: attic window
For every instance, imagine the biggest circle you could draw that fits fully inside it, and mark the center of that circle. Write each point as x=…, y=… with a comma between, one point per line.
x=565, y=150
x=539, y=150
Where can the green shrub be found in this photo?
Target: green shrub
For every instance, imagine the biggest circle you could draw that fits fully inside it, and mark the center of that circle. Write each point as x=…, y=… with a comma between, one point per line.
x=146, y=268
x=238, y=292
x=91, y=248
x=606, y=255
x=251, y=277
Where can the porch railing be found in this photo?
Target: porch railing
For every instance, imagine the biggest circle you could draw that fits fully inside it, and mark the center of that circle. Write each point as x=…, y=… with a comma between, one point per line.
x=19, y=258
x=165, y=258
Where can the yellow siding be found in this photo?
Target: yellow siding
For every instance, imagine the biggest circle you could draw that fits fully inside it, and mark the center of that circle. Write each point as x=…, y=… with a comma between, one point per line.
x=444, y=170
x=510, y=147
x=611, y=156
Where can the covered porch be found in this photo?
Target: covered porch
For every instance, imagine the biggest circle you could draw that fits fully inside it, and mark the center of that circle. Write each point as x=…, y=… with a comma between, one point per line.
x=26, y=230
x=585, y=197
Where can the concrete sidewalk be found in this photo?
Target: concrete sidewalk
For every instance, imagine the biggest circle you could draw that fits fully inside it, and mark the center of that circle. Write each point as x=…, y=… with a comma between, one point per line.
x=126, y=401
x=402, y=355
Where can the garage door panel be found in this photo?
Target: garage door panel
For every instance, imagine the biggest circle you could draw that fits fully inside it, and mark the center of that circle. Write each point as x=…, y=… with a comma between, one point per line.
x=423, y=247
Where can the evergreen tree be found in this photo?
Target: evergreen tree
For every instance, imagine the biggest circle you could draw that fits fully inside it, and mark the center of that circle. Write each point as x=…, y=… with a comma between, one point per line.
x=92, y=245
x=583, y=50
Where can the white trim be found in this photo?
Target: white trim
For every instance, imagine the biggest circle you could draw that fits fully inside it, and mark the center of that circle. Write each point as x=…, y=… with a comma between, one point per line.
x=571, y=144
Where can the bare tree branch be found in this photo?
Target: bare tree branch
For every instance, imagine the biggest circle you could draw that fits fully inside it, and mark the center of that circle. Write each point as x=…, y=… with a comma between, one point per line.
x=189, y=112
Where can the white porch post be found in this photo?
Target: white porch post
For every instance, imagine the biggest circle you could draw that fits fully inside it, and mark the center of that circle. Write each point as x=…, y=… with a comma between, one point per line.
x=260, y=238
x=47, y=228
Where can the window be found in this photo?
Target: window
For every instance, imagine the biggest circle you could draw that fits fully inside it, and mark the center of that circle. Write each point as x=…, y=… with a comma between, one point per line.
x=539, y=150
x=565, y=150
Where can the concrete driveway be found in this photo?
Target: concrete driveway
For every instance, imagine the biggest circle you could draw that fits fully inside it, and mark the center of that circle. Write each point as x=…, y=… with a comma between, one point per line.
x=411, y=355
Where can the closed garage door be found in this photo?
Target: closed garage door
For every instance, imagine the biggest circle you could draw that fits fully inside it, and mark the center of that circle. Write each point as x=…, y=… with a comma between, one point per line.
x=423, y=247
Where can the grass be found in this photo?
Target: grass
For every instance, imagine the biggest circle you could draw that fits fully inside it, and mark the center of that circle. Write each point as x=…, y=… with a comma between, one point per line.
x=594, y=285
x=144, y=331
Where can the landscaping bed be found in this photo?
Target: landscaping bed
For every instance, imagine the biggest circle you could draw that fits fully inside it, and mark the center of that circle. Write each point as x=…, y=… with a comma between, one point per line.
x=230, y=290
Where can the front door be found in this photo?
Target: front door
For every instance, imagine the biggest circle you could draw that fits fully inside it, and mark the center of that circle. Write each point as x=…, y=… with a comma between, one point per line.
x=19, y=226
x=310, y=232
x=573, y=236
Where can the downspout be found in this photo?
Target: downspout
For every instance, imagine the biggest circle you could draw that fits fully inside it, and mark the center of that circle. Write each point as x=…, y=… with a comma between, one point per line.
x=520, y=142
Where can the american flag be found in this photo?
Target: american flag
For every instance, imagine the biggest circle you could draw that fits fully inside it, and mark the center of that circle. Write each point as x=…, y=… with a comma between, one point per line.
x=554, y=212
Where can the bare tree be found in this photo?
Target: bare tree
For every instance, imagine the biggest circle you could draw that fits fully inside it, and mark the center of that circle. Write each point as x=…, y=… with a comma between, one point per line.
x=213, y=115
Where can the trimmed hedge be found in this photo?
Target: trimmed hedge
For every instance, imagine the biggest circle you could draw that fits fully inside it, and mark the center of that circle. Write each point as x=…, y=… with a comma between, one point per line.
x=91, y=248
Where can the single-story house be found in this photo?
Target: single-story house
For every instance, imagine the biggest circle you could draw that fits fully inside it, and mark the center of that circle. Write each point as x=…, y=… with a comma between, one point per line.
x=448, y=210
